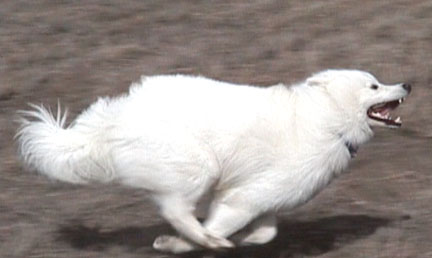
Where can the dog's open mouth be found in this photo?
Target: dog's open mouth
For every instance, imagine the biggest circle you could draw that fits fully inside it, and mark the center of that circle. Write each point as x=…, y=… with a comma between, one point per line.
x=381, y=113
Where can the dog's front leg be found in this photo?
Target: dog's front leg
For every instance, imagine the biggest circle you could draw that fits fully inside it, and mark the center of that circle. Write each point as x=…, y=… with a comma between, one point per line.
x=179, y=213
x=261, y=231
x=224, y=219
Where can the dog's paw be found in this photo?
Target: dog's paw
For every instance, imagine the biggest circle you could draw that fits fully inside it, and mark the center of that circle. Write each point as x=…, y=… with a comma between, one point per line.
x=173, y=244
x=214, y=242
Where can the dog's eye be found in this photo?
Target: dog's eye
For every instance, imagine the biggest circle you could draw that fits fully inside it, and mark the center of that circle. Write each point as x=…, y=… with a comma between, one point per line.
x=374, y=87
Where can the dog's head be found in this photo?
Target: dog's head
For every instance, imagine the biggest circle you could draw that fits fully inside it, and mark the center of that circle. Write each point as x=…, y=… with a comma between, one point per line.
x=362, y=96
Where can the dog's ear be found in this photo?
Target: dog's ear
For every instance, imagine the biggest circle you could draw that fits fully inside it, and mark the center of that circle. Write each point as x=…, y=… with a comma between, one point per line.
x=319, y=79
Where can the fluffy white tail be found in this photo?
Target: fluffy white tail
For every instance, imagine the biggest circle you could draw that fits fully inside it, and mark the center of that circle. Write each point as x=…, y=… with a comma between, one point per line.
x=59, y=152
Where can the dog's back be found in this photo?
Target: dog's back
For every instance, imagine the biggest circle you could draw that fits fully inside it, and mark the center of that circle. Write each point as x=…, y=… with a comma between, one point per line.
x=181, y=115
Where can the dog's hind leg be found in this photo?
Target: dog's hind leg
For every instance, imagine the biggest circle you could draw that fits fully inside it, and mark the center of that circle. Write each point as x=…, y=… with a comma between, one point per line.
x=179, y=213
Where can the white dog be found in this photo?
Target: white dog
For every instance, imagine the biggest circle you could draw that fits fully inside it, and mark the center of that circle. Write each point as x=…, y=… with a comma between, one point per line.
x=257, y=150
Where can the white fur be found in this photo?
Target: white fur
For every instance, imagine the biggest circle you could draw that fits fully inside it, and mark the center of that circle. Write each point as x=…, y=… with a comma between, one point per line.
x=257, y=149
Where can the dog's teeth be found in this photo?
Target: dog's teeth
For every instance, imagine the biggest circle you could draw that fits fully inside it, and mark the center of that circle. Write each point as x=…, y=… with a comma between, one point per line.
x=378, y=115
x=398, y=120
x=400, y=101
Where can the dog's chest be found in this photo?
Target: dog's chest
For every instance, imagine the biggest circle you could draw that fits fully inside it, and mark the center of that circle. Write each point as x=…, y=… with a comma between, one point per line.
x=306, y=180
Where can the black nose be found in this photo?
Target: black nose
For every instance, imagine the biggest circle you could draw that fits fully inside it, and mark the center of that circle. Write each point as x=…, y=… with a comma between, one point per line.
x=407, y=87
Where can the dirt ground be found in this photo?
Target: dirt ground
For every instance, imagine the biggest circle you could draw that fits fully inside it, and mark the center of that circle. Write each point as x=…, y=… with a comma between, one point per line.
x=75, y=51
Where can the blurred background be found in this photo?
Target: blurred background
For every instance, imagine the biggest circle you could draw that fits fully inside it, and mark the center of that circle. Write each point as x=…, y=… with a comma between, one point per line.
x=75, y=51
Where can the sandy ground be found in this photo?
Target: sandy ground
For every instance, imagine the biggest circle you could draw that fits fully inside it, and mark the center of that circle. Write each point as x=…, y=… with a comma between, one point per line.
x=76, y=51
